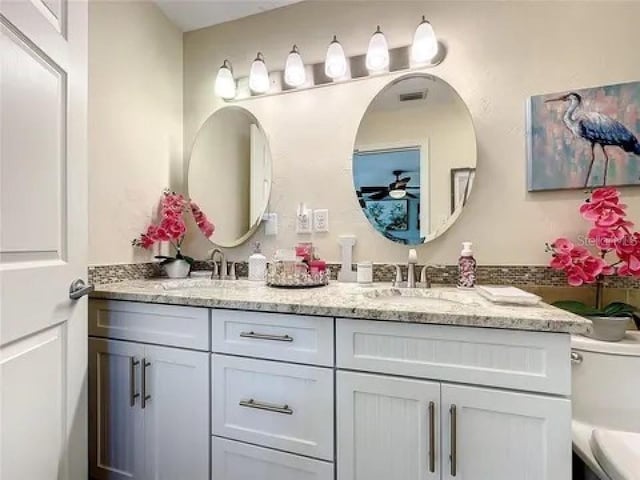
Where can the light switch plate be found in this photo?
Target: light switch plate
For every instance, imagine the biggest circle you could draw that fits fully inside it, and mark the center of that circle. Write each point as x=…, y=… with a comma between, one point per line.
x=321, y=220
x=303, y=221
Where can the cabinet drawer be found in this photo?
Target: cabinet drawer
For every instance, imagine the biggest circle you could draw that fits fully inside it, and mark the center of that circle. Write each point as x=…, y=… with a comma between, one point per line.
x=291, y=338
x=530, y=361
x=284, y=406
x=186, y=327
x=239, y=461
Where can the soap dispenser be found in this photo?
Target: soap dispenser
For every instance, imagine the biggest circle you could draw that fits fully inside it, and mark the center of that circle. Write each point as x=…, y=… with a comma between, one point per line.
x=257, y=265
x=466, y=267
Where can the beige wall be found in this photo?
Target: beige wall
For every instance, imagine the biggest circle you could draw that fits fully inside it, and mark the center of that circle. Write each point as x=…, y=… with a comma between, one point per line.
x=135, y=123
x=499, y=54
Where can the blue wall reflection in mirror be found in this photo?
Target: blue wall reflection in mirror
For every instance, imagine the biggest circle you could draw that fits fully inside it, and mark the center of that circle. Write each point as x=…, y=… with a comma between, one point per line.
x=387, y=183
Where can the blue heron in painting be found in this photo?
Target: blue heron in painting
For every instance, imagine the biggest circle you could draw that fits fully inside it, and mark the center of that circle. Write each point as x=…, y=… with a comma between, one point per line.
x=598, y=129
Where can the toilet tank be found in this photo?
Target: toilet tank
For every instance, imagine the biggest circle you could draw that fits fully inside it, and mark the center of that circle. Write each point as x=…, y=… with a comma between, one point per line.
x=606, y=382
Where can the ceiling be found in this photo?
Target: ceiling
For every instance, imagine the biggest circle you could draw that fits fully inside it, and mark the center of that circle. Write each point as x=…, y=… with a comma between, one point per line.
x=190, y=15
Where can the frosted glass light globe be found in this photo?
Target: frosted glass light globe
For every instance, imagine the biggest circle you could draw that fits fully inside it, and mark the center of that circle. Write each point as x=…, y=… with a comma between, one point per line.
x=225, y=86
x=425, y=43
x=335, y=64
x=259, y=76
x=378, y=52
x=294, y=74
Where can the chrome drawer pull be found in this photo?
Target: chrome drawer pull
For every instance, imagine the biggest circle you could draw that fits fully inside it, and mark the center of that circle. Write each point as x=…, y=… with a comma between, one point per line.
x=454, y=444
x=265, y=336
x=432, y=437
x=145, y=397
x=269, y=407
x=576, y=358
x=133, y=363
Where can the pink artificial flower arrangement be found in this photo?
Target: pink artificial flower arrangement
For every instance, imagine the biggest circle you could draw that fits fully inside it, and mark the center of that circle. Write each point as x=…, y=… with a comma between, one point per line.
x=617, y=252
x=172, y=227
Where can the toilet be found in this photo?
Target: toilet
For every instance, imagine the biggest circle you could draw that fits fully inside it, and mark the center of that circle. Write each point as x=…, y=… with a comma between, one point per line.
x=606, y=406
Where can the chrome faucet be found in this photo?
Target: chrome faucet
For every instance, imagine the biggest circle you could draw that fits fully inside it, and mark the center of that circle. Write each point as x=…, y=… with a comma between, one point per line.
x=220, y=272
x=411, y=272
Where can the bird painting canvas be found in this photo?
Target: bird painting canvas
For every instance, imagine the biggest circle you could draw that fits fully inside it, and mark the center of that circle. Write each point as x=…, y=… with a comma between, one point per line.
x=584, y=138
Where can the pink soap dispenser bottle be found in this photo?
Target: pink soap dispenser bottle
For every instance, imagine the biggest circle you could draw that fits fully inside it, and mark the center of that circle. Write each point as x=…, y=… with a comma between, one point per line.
x=466, y=267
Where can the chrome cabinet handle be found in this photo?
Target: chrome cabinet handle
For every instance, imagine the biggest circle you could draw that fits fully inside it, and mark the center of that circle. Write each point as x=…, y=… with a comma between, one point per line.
x=576, y=358
x=79, y=289
x=145, y=397
x=265, y=336
x=432, y=437
x=133, y=363
x=454, y=446
x=269, y=407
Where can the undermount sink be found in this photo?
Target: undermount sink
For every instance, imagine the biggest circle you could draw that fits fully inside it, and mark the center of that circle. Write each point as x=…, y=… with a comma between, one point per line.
x=418, y=296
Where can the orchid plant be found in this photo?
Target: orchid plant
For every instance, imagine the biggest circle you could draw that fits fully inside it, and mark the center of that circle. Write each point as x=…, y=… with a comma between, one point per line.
x=617, y=252
x=172, y=228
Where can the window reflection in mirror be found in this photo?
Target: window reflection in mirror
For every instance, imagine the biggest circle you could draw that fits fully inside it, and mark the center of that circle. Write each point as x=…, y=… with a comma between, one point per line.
x=414, y=159
x=230, y=174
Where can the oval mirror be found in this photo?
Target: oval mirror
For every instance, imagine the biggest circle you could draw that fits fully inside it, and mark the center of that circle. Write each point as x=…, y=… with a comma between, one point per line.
x=414, y=159
x=230, y=174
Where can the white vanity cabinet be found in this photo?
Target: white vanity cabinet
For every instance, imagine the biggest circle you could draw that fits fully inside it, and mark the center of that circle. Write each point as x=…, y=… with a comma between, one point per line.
x=387, y=428
x=273, y=414
x=414, y=429
x=116, y=422
x=148, y=404
x=504, y=435
x=214, y=394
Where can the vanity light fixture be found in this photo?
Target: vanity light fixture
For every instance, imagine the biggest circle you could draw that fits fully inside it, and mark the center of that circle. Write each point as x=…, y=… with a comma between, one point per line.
x=225, y=86
x=424, y=52
x=259, y=75
x=294, y=73
x=378, y=52
x=335, y=64
x=425, y=44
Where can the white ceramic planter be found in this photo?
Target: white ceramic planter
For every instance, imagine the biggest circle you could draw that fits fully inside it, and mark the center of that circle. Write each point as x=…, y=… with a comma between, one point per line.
x=177, y=269
x=609, y=329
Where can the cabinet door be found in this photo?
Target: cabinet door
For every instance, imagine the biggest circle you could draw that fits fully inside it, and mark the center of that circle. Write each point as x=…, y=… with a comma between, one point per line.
x=116, y=422
x=495, y=435
x=387, y=428
x=176, y=414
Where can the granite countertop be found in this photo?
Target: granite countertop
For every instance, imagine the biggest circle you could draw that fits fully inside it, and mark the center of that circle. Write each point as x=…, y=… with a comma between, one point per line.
x=444, y=306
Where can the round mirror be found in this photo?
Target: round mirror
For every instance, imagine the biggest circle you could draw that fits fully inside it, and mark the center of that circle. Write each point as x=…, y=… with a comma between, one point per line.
x=414, y=159
x=230, y=174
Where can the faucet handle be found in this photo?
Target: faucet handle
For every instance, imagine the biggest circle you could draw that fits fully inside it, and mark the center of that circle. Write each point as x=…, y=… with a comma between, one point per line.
x=424, y=277
x=215, y=272
x=232, y=271
x=398, y=280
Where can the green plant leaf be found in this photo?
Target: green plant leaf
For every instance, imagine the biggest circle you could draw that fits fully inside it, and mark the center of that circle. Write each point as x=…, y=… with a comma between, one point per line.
x=189, y=260
x=578, y=308
x=618, y=309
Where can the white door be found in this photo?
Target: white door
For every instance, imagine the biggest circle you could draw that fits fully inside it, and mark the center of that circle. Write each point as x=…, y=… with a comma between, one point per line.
x=116, y=419
x=496, y=435
x=387, y=428
x=260, y=174
x=176, y=414
x=43, y=239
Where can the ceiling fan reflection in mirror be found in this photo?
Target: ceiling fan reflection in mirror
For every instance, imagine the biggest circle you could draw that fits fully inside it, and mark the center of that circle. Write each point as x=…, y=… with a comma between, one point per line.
x=396, y=189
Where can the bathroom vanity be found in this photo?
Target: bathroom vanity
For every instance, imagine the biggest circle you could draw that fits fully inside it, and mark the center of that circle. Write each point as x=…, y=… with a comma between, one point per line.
x=199, y=379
